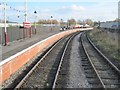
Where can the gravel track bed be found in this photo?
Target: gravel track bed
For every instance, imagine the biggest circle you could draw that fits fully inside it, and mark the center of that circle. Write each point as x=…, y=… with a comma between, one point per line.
x=71, y=74
x=43, y=75
x=104, y=70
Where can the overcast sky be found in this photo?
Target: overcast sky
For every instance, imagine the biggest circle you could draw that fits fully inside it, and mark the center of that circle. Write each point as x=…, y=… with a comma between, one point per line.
x=97, y=10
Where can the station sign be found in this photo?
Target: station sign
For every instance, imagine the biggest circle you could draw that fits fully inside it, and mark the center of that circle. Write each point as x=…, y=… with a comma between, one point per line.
x=26, y=24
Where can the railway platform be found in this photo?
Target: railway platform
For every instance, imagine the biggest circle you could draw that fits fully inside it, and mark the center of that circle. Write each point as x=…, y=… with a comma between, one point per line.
x=17, y=46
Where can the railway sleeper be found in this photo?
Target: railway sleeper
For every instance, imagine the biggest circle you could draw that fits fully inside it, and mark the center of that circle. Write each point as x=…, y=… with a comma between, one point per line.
x=91, y=76
x=87, y=68
x=96, y=86
x=93, y=81
x=109, y=81
x=101, y=69
x=111, y=86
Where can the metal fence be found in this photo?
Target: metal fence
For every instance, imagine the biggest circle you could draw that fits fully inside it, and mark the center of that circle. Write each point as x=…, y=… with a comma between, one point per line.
x=15, y=33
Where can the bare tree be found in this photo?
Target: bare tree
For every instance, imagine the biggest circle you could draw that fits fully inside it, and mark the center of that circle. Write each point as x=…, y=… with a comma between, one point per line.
x=89, y=22
x=79, y=22
x=54, y=22
x=117, y=20
x=71, y=21
x=47, y=21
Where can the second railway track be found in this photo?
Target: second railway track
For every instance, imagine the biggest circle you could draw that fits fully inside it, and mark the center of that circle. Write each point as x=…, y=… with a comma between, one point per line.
x=107, y=74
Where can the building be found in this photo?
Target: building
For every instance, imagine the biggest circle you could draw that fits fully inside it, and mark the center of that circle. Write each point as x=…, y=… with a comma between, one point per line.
x=9, y=24
x=110, y=25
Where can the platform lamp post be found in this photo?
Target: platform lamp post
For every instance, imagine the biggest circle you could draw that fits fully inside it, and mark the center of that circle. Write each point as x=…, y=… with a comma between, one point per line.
x=18, y=26
x=51, y=22
x=5, y=28
x=35, y=12
x=68, y=22
x=61, y=22
x=98, y=24
x=25, y=10
x=18, y=18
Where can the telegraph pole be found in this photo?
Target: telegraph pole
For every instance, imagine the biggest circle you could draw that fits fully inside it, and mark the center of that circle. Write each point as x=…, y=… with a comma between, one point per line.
x=5, y=31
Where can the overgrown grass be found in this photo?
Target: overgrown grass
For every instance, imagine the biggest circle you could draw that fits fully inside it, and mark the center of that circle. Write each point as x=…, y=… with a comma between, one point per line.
x=107, y=41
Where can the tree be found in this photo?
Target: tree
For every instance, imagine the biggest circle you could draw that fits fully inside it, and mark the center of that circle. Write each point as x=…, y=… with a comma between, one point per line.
x=54, y=22
x=79, y=22
x=71, y=22
x=61, y=22
x=96, y=23
x=89, y=22
x=47, y=21
x=117, y=20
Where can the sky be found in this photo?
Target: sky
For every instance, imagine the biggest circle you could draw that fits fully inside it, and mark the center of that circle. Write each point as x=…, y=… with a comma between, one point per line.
x=97, y=10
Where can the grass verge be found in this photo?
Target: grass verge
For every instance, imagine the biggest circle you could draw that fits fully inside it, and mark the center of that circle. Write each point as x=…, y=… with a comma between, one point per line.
x=107, y=41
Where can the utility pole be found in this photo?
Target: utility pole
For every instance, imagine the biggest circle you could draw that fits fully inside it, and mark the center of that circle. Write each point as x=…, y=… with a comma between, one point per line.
x=5, y=31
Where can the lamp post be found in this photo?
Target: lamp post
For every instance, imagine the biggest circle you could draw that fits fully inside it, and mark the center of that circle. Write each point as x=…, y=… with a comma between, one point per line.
x=35, y=20
x=18, y=26
x=18, y=19
x=98, y=24
x=61, y=20
x=5, y=31
x=26, y=11
x=67, y=22
x=51, y=22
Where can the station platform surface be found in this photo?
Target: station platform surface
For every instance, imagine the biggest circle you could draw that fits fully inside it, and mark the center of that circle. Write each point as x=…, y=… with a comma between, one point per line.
x=17, y=46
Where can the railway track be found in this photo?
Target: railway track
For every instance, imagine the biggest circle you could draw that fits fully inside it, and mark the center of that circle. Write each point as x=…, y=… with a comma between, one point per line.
x=70, y=74
x=52, y=70
x=44, y=74
x=99, y=71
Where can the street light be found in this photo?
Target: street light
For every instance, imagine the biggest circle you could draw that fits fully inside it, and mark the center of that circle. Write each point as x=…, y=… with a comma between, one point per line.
x=35, y=20
x=51, y=22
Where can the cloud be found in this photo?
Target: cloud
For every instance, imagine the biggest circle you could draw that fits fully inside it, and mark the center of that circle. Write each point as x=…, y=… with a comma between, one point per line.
x=22, y=8
x=70, y=9
x=104, y=11
x=100, y=11
x=77, y=8
x=1, y=7
x=44, y=10
x=97, y=11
